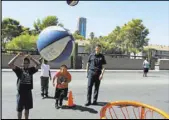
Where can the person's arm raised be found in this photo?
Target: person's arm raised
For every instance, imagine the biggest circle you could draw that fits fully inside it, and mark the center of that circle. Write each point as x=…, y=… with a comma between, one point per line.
x=34, y=60
x=40, y=60
x=11, y=63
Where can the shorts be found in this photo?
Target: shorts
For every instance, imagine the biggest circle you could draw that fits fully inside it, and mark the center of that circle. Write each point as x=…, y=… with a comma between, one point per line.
x=61, y=93
x=24, y=100
x=146, y=70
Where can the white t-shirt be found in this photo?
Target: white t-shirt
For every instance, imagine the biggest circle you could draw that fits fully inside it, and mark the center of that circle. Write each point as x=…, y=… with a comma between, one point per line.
x=146, y=64
x=45, y=70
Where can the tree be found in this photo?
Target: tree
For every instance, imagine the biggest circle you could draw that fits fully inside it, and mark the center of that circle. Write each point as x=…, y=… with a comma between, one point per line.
x=39, y=25
x=26, y=31
x=115, y=41
x=33, y=32
x=100, y=37
x=90, y=47
x=92, y=35
x=135, y=35
x=49, y=21
x=131, y=37
x=61, y=25
x=26, y=42
x=103, y=41
x=77, y=32
x=11, y=28
x=77, y=36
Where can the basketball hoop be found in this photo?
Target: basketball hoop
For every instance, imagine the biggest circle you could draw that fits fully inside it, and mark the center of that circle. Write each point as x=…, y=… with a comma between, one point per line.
x=131, y=110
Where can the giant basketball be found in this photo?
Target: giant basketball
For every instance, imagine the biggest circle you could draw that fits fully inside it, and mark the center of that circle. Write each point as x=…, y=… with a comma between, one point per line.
x=55, y=44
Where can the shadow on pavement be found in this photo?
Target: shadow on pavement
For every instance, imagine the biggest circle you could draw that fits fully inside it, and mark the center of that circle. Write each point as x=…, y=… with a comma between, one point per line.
x=153, y=76
x=49, y=97
x=101, y=103
x=81, y=108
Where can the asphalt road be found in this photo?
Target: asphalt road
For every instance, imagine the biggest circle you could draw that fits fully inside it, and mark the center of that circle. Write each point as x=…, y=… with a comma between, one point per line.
x=153, y=90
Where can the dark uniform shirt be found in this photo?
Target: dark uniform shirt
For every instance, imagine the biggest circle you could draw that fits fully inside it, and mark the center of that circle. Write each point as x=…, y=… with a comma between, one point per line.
x=96, y=61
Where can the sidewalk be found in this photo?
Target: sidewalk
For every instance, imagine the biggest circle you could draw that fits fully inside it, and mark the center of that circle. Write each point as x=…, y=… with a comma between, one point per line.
x=83, y=70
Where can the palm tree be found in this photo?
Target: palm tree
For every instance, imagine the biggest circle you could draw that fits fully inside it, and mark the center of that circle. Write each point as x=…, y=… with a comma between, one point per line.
x=92, y=35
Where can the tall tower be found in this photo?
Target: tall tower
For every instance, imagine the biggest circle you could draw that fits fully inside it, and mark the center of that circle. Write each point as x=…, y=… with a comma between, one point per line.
x=82, y=26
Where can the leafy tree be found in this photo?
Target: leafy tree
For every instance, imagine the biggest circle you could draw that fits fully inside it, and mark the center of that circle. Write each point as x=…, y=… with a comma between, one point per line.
x=26, y=31
x=115, y=41
x=90, y=47
x=11, y=28
x=92, y=35
x=61, y=25
x=27, y=42
x=100, y=37
x=104, y=42
x=135, y=35
x=77, y=36
x=49, y=21
x=77, y=32
x=39, y=25
x=131, y=37
x=33, y=32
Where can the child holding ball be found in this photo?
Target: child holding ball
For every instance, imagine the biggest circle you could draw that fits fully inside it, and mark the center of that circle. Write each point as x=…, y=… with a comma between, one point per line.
x=61, y=81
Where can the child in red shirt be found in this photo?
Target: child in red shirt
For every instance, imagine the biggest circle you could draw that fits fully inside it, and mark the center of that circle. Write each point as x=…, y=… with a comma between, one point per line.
x=61, y=81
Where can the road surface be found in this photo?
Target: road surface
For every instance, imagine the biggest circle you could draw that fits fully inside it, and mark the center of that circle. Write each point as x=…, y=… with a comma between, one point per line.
x=153, y=90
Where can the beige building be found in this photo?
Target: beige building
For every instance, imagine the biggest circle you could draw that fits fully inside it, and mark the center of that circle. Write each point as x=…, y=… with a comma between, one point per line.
x=159, y=51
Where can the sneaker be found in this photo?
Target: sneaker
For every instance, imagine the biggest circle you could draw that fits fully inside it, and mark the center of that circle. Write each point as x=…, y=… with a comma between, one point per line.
x=56, y=106
x=60, y=106
x=42, y=95
x=87, y=104
x=47, y=96
x=95, y=103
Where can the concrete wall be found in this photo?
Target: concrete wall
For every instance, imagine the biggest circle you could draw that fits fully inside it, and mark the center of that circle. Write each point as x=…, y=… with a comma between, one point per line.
x=7, y=58
x=164, y=65
x=120, y=63
x=112, y=63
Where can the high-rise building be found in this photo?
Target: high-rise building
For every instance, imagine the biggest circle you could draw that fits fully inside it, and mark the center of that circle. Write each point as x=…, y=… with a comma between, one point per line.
x=82, y=26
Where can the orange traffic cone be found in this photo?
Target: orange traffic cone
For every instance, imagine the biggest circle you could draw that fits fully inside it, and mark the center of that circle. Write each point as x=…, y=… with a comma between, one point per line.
x=70, y=100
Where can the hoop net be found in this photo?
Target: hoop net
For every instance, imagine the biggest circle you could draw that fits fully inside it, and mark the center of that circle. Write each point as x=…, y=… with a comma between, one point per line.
x=131, y=110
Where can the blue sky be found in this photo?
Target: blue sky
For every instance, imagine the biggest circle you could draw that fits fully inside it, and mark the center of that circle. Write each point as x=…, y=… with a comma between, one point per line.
x=102, y=16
